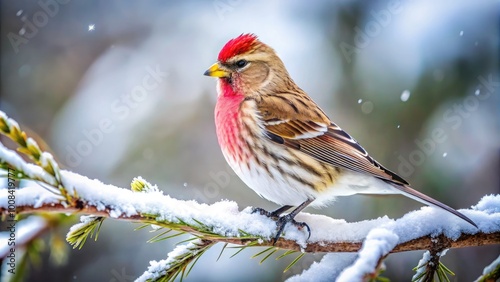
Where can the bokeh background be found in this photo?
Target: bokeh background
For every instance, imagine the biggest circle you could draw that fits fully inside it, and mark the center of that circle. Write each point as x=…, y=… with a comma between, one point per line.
x=391, y=73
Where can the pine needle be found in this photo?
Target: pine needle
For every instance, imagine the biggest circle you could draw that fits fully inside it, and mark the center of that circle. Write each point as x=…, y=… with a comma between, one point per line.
x=263, y=252
x=289, y=252
x=142, y=227
x=222, y=250
x=268, y=255
x=155, y=238
x=294, y=262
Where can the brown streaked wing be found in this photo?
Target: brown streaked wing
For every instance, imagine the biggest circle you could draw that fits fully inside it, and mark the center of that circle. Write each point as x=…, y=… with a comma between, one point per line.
x=339, y=149
x=293, y=125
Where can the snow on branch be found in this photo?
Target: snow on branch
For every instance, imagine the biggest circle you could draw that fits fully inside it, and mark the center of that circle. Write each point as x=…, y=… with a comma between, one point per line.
x=64, y=192
x=223, y=221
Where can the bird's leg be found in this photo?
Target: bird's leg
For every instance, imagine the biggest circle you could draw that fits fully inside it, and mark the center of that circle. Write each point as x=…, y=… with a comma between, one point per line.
x=283, y=220
x=274, y=214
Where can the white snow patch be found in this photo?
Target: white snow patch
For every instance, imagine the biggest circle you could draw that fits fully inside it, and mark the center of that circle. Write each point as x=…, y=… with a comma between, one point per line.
x=405, y=95
x=24, y=230
x=490, y=204
x=421, y=265
x=17, y=162
x=378, y=243
x=157, y=268
x=35, y=196
x=330, y=266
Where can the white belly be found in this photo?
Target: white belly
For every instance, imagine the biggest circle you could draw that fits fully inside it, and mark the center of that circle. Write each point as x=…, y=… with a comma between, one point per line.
x=280, y=189
x=285, y=190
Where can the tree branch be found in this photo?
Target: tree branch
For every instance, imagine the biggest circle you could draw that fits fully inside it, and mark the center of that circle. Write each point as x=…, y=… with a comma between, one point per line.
x=421, y=243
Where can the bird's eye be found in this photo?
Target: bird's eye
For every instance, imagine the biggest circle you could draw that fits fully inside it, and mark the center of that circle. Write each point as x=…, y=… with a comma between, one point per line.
x=241, y=63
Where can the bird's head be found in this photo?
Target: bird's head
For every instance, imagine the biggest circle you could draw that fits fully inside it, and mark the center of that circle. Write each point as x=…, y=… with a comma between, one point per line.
x=248, y=67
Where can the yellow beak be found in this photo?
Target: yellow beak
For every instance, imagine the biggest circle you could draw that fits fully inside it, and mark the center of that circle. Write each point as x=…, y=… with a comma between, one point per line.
x=216, y=71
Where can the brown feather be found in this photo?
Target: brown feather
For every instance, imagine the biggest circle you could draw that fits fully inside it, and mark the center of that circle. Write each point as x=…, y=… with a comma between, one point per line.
x=316, y=136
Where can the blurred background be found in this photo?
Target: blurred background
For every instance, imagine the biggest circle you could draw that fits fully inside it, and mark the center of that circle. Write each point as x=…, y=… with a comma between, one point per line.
x=116, y=90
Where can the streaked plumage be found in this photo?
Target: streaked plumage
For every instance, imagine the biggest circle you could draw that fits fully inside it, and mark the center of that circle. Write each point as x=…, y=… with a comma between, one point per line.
x=281, y=144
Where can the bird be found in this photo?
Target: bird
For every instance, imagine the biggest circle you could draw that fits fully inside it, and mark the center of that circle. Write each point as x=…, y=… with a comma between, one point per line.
x=283, y=146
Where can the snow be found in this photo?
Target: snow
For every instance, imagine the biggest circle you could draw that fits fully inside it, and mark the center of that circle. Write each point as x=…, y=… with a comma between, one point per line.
x=330, y=266
x=367, y=107
x=31, y=170
x=223, y=217
x=421, y=265
x=25, y=230
x=157, y=268
x=489, y=204
x=382, y=238
x=378, y=243
x=405, y=95
x=338, y=229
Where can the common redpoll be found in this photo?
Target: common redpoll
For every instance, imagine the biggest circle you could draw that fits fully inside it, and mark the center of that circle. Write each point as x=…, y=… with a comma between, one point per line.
x=282, y=145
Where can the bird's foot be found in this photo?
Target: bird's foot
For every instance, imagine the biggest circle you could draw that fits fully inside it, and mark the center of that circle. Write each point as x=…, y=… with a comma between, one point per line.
x=274, y=214
x=283, y=220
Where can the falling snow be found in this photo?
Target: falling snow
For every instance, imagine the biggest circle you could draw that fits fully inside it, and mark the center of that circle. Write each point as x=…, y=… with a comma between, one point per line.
x=399, y=126
x=461, y=32
x=360, y=100
x=405, y=95
x=445, y=154
x=477, y=92
x=367, y=107
x=19, y=13
x=91, y=27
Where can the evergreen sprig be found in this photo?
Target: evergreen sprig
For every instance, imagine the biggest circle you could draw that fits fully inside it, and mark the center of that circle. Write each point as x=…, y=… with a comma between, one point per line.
x=430, y=267
x=89, y=227
x=179, y=262
x=29, y=147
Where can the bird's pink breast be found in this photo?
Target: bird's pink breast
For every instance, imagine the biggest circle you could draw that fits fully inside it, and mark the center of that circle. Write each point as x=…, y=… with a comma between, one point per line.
x=227, y=122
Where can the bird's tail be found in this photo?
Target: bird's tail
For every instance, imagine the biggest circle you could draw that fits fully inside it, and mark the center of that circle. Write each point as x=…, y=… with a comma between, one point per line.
x=414, y=194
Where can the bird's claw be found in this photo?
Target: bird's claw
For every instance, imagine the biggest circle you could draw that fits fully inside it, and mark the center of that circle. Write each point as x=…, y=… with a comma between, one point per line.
x=281, y=222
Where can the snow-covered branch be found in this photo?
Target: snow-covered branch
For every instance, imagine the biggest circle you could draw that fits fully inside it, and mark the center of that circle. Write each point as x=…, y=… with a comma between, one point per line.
x=223, y=222
x=59, y=191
